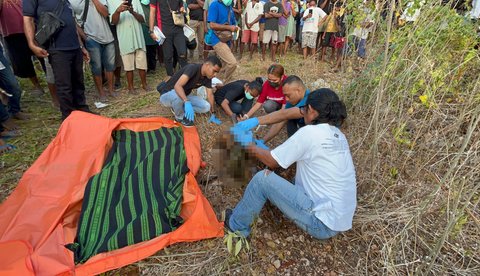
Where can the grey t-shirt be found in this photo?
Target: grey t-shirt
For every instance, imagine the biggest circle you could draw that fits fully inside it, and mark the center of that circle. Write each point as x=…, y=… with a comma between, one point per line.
x=96, y=26
x=272, y=23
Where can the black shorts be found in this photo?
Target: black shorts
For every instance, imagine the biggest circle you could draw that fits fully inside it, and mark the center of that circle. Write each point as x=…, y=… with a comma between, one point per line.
x=326, y=40
x=20, y=55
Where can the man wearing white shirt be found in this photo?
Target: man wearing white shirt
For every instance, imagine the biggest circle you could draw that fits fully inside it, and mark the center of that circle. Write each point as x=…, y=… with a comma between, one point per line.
x=311, y=17
x=323, y=198
x=253, y=14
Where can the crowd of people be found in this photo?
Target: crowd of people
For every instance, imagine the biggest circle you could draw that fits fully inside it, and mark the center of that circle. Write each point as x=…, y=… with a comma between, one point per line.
x=116, y=35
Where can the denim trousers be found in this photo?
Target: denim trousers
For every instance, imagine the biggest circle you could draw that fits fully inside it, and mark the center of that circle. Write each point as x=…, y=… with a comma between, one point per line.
x=102, y=56
x=291, y=199
x=171, y=99
x=9, y=83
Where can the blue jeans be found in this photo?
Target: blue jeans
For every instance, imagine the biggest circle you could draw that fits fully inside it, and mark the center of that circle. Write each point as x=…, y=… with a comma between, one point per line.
x=360, y=46
x=289, y=198
x=101, y=56
x=9, y=83
x=171, y=99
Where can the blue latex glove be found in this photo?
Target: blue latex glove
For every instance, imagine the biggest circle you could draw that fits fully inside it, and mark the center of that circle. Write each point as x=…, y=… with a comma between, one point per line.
x=247, y=124
x=215, y=120
x=261, y=144
x=245, y=138
x=189, y=113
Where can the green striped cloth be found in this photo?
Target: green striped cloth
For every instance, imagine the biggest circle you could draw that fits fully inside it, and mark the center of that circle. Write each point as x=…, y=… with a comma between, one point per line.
x=136, y=196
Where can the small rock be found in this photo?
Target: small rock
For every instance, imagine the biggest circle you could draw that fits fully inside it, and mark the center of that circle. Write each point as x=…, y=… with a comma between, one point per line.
x=267, y=236
x=277, y=264
x=301, y=238
x=271, y=244
x=277, y=241
x=259, y=221
x=289, y=239
x=305, y=261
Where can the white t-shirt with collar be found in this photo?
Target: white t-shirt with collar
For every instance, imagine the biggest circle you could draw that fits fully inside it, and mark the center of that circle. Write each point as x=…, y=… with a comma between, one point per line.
x=253, y=12
x=325, y=171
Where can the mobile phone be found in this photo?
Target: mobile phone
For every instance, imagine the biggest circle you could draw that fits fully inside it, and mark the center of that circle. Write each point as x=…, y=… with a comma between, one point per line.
x=129, y=3
x=310, y=11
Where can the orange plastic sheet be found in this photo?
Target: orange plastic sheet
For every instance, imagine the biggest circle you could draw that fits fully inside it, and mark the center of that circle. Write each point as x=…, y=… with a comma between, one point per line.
x=41, y=215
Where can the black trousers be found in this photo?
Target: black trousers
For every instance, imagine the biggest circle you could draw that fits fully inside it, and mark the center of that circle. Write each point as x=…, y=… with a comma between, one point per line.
x=174, y=42
x=294, y=125
x=68, y=70
x=242, y=108
x=152, y=57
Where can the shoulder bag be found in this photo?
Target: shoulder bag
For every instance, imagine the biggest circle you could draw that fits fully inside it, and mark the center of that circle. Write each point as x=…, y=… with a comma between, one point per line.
x=49, y=23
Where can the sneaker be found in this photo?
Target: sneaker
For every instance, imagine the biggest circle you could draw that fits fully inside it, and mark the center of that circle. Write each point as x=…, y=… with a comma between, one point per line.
x=186, y=122
x=228, y=214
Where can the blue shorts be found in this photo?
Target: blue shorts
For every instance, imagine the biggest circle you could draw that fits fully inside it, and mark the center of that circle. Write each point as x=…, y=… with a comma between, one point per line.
x=101, y=56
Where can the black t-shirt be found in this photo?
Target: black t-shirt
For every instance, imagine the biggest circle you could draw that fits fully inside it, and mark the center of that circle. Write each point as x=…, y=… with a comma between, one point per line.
x=233, y=92
x=194, y=73
x=196, y=14
x=66, y=38
x=162, y=7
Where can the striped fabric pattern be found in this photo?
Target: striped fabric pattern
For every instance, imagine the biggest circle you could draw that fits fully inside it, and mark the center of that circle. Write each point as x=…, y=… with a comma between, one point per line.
x=136, y=196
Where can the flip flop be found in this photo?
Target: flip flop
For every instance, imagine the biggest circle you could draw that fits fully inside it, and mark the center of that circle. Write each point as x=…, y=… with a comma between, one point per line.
x=7, y=148
x=9, y=134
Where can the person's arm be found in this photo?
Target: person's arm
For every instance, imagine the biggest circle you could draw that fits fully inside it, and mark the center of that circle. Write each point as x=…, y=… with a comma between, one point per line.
x=205, y=15
x=210, y=99
x=273, y=131
x=222, y=27
x=81, y=33
x=226, y=107
x=86, y=55
x=278, y=14
x=263, y=156
x=182, y=81
x=324, y=4
x=137, y=16
x=29, y=29
x=102, y=9
x=280, y=115
x=116, y=15
x=151, y=22
x=252, y=111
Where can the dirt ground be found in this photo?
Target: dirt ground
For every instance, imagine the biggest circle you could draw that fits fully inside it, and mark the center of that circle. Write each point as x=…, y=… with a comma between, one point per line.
x=277, y=246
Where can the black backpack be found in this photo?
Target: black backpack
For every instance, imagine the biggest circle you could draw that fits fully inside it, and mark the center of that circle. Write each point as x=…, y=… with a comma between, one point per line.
x=49, y=23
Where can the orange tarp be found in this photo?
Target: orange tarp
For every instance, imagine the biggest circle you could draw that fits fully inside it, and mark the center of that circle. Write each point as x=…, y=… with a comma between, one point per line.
x=41, y=215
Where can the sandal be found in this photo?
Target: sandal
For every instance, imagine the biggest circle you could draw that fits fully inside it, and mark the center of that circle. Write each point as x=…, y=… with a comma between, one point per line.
x=8, y=134
x=6, y=148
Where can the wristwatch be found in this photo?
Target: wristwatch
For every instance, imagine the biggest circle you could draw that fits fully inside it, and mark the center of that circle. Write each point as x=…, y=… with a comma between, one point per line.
x=150, y=31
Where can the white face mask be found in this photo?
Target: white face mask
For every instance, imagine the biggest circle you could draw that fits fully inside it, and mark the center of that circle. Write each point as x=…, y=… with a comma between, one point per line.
x=145, y=2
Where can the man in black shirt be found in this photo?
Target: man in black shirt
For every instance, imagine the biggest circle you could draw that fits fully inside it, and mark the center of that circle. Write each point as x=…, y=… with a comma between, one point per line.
x=64, y=50
x=175, y=93
x=174, y=37
x=196, y=23
x=229, y=95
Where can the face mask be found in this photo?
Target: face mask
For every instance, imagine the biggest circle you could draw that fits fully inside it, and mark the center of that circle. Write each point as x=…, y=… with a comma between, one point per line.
x=274, y=84
x=248, y=95
x=227, y=3
x=145, y=2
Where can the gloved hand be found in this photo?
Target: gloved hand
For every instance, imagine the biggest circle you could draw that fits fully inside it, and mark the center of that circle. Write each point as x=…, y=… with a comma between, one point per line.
x=189, y=113
x=215, y=120
x=248, y=124
x=243, y=137
x=261, y=144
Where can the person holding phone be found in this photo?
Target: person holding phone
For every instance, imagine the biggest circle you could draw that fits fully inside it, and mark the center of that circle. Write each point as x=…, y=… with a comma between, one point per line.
x=311, y=17
x=128, y=16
